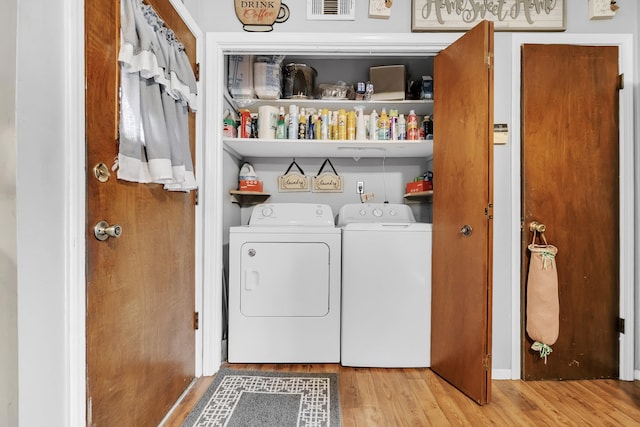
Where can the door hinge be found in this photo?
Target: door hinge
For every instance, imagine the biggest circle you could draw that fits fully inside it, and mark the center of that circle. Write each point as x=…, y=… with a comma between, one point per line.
x=196, y=198
x=489, y=60
x=621, y=81
x=197, y=71
x=488, y=211
x=196, y=320
x=486, y=362
x=621, y=325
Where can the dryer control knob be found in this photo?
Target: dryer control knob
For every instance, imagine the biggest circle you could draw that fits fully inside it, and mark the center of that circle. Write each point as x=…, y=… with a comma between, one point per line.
x=267, y=212
x=363, y=212
x=392, y=212
x=319, y=211
x=377, y=212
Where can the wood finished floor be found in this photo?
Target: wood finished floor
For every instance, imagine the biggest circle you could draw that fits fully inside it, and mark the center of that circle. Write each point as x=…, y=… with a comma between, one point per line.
x=374, y=397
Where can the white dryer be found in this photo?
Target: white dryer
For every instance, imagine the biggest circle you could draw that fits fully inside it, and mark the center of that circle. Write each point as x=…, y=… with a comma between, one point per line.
x=386, y=286
x=284, y=286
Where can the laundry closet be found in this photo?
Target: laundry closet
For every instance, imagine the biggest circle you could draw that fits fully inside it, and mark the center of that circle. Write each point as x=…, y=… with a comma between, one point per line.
x=382, y=168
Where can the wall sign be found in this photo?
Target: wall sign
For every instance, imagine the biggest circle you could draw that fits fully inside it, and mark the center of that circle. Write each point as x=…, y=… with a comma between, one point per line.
x=507, y=15
x=260, y=15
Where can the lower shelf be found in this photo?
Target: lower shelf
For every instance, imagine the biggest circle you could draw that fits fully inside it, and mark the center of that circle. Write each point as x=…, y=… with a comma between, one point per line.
x=248, y=197
x=419, y=196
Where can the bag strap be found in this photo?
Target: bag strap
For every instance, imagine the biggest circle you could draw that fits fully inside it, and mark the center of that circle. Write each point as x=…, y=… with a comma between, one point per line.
x=324, y=164
x=535, y=233
x=293, y=163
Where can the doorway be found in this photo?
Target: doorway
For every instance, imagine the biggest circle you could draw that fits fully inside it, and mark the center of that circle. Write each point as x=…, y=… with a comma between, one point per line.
x=624, y=198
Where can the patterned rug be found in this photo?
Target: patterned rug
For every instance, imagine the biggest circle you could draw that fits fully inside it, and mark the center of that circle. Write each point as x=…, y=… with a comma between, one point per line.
x=268, y=399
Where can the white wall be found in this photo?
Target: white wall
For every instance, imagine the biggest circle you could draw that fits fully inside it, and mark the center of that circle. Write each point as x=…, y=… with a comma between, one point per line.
x=8, y=270
x=41, y=211
x=220, y=17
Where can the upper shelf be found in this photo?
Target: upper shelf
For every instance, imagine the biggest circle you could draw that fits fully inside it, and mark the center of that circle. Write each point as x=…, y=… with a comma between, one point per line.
x=421, y=107
x=243, y=147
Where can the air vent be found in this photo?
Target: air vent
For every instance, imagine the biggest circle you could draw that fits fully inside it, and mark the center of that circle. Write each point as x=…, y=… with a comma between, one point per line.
x=331, y=10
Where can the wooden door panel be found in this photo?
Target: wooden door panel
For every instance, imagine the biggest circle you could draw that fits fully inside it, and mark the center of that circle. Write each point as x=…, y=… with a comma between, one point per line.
x=570, y=183
x=141, y=286
x=463, y=189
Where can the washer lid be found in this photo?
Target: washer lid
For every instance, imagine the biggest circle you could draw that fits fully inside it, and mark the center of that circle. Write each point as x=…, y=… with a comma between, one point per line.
x=375, y=213
x=291, y=214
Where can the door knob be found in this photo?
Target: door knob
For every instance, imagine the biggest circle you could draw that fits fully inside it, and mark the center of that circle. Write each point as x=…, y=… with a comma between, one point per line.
x=103, y=230
x=466, y=230
x=536, y=226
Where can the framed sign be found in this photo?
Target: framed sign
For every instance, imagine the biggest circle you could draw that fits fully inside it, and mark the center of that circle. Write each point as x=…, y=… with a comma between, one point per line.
x=507, y=15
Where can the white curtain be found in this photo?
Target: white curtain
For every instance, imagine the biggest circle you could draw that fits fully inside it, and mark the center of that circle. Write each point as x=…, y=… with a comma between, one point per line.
x=157, y=89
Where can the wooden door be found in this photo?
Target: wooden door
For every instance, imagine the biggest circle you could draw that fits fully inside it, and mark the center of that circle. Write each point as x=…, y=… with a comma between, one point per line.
x=141, y=286
x=570, y=183
x=463, y=196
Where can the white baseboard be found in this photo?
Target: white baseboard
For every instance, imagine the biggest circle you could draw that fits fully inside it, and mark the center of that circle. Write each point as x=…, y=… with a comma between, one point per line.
x=501, y=374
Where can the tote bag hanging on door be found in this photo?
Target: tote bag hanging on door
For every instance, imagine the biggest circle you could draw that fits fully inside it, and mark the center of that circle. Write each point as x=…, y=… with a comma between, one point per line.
x=543, y=306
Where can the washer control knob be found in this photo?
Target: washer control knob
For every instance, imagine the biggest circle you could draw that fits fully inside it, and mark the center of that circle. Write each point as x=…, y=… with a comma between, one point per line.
x=377, y=212
x=267, y=212
x=363, y=212
x=319, y=211
x=392, y=212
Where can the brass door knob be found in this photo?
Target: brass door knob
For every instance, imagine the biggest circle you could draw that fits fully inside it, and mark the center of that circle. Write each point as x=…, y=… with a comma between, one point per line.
x=537, y=226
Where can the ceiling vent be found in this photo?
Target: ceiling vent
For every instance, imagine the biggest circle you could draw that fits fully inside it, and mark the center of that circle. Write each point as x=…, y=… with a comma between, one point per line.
x=331, y=10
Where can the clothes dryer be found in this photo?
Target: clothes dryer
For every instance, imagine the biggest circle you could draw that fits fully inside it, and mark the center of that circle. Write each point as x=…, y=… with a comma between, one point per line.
x=386, y=287
x=284, y=286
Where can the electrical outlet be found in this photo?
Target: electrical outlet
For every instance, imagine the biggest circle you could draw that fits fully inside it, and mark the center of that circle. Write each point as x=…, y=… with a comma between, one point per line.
x=360, y=187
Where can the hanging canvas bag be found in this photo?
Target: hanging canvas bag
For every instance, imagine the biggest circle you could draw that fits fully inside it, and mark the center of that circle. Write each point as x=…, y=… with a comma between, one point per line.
x=543, y=306
x=293, y=181
x=327, y=182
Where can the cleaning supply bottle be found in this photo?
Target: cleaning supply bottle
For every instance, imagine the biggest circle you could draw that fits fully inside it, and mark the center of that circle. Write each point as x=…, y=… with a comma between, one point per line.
x=333, y=126
x=281, y=128
x=342, y=124
x=292, y=130
x=361, y=131
x=383, y=126
x=351, y=125
x=413, y=130
x=302, y=124
x=324, y=126
x=402, y=128
x=373, y=125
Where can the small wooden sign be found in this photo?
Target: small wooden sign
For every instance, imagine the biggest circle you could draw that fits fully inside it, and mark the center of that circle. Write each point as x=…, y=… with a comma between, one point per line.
x=327, y=182
x=293, y=181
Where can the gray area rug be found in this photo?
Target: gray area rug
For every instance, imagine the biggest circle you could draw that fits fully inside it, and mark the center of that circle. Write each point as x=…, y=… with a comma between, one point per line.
x=238, y=398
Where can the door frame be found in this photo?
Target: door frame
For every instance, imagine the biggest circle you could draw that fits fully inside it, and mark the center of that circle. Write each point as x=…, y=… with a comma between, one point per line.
x=75, y=200
x=624, y=42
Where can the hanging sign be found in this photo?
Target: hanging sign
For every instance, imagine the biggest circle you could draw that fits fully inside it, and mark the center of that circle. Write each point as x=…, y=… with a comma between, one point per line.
x=507, y=15
x=293, y=181
x=327, y=182
x=260, y=15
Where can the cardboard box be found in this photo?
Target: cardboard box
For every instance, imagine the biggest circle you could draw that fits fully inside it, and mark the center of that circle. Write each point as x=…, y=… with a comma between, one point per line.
x=250, y=185
x=419, y=186
x=389, y=82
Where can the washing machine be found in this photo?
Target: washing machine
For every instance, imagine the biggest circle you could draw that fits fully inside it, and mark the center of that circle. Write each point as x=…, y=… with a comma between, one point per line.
x=386, y=287
x=284, y=286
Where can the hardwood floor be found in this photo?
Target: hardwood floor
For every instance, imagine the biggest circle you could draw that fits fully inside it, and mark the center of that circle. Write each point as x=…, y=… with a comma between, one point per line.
x=372, y=397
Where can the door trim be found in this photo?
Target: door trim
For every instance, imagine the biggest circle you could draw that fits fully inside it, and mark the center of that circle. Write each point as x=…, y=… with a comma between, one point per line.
x=627, y=188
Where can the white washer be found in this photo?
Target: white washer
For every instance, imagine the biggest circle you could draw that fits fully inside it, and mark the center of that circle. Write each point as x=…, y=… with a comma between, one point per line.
x=386, y=287
x=284, y=286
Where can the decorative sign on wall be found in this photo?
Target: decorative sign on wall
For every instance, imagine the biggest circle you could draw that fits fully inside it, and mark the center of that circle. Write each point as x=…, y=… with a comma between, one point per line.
x=327, y=182
x=260, y=15
x=507, y=15
x=293, y=181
